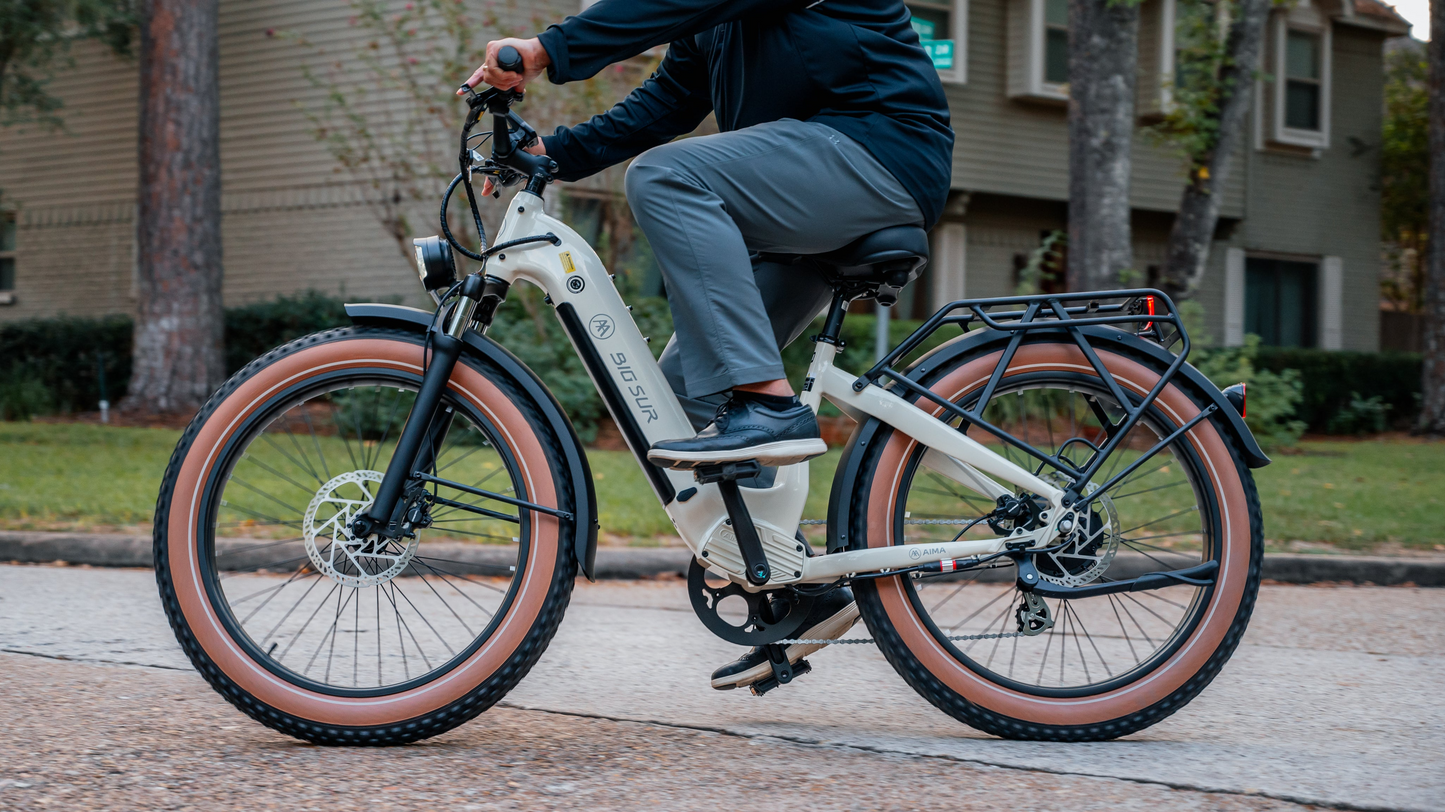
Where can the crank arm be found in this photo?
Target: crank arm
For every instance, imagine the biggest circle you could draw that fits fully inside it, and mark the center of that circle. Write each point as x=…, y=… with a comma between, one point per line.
x=485, y=494
x=1202, y=575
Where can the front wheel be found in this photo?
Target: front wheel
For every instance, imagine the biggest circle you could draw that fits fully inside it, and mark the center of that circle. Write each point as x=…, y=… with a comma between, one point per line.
x=340, y=642
x=1087, y=669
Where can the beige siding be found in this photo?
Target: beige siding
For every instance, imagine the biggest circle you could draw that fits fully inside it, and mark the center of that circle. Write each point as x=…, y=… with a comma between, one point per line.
x=291, y=220
x=1328, y=205
x=1020, y=148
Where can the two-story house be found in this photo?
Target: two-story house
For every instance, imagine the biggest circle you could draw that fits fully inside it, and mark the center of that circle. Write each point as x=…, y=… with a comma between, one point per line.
x=1295, y=259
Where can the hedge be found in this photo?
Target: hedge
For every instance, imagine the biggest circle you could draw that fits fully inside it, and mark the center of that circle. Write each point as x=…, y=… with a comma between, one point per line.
x=52, y=364
x=1331, y=380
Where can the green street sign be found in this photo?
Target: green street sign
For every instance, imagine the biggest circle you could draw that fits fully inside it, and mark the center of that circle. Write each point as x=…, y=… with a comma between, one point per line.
x=925, y=28
x=941, y=52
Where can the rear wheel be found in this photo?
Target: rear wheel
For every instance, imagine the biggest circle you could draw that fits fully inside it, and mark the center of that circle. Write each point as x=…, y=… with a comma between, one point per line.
x=340, y=642
x=1098, y=667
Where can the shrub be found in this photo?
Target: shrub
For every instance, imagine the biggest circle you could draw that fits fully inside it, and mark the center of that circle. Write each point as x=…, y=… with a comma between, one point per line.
x=252, y=330
x=1273, y=397
x=23, y=394
x=65, y=355
x=1360, y=416
x=1331, y=379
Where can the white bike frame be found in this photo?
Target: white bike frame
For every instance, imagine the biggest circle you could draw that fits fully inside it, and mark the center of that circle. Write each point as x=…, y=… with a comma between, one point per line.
x=646, y=410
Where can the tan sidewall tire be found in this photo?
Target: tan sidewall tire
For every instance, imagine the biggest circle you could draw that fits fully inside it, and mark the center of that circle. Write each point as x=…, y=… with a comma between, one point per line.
x=1234, y=590
x=182, y=527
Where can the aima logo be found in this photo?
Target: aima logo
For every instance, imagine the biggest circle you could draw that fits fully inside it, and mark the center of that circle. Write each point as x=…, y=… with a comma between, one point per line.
x=602, y=326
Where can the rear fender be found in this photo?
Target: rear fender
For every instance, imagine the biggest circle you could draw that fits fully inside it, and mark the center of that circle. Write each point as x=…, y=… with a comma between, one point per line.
x=977, y=342
x=584, y=542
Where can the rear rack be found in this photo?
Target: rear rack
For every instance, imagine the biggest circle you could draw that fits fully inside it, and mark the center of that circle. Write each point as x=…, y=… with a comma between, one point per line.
x=1148, y=311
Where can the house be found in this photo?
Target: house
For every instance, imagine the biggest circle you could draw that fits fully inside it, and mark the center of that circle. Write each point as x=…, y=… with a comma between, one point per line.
x=1295, y=259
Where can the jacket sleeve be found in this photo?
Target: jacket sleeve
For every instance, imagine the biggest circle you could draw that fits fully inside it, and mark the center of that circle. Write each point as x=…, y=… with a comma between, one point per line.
x=610, y=31
x=672, y=102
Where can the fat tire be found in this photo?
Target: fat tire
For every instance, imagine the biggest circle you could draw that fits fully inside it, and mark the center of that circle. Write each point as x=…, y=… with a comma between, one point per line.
x=954, y=704
x=477, y=700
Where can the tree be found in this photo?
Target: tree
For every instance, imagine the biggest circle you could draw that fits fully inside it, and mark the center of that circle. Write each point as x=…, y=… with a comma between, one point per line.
x=1432, y=412
x=35, y=38
x=1103, y=65
x=387, y=114
x=178, y=359
x=1404, y=189
x=1216, y=64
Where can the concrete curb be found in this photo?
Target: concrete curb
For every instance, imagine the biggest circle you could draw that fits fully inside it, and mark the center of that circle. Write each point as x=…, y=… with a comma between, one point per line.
x=621, y=563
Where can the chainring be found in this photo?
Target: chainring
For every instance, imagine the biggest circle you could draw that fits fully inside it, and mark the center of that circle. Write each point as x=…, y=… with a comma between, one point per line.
x=763, y=624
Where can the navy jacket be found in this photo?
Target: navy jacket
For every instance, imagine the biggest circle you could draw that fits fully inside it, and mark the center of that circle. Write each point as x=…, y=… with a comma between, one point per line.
x=853, y=65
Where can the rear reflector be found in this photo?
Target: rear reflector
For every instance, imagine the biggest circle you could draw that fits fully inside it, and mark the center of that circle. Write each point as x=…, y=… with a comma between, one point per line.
x=1236, y=397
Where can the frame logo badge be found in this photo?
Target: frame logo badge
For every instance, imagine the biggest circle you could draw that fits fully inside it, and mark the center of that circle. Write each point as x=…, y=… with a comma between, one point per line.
x=602, y=326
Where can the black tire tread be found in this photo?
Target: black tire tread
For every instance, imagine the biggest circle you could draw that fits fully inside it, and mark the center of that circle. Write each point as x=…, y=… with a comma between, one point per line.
x=947, y=700
x=468, y=707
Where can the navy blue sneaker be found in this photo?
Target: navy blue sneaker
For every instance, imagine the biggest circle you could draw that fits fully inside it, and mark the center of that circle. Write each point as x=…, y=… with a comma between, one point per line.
x=746, y=429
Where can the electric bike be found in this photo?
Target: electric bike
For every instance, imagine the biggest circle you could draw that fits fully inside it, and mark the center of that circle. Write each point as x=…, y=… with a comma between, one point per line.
x=370, y=535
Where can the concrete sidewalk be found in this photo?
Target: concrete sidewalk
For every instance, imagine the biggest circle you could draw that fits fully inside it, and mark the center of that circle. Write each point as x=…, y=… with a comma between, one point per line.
x=1332, y=699
x=632, y=563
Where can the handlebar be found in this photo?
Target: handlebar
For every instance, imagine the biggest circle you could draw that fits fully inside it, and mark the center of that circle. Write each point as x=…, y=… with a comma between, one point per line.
x=509, y=60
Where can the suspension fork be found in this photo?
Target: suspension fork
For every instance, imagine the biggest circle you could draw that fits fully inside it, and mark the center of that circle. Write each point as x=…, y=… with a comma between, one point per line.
x=421, y=437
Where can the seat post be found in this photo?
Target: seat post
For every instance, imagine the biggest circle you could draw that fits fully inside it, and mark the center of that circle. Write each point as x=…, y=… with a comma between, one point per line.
x=834, y=325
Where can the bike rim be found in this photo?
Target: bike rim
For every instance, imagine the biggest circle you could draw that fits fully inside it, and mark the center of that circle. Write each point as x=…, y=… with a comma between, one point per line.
x=1164, y=518
x=315, y=452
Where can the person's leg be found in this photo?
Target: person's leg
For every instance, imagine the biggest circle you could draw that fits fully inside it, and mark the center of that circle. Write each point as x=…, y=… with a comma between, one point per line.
x=786, y=187
x=706, y=203
x=791, y=299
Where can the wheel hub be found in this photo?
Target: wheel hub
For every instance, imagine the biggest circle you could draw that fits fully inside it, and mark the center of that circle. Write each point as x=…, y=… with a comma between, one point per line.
x=334, y=551
x=1088, y=549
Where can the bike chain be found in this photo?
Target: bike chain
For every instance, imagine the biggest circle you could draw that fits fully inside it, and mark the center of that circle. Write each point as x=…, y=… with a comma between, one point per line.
x=860, y=640
x=953, y=522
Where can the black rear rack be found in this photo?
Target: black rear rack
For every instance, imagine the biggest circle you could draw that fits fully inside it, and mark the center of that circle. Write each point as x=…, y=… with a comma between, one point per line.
x=1147, y=311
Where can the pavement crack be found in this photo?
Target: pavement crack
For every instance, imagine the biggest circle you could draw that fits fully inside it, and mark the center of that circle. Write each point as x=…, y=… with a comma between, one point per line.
x=864, y=748
x=90, y=660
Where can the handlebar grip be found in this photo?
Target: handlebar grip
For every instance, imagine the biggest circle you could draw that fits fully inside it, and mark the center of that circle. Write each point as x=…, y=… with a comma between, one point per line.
x=509, y=60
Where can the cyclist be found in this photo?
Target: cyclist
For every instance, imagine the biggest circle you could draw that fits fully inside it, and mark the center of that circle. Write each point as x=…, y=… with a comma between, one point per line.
x=833, y=125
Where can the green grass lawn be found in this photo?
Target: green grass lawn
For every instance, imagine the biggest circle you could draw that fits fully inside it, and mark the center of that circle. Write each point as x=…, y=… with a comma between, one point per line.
x=1373, y=495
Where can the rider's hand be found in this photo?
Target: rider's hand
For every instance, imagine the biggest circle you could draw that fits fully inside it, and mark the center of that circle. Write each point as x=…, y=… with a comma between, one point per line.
x=534, y=60
x=536, y=149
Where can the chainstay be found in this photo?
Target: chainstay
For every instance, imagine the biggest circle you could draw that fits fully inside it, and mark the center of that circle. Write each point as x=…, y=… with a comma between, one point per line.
x=862, y=640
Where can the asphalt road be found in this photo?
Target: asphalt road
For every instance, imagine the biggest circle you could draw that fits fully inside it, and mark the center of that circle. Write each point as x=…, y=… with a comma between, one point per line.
x=1334, y=699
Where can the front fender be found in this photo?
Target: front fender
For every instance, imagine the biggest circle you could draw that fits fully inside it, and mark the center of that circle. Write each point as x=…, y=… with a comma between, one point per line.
x=584, y=542
x=951, y=353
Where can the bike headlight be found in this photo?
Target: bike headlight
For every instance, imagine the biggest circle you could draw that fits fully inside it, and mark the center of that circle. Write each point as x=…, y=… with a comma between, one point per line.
x=435, y=265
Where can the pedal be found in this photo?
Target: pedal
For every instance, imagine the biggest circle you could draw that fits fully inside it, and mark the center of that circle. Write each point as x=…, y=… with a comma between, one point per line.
x=783, y=671
x=727, y=471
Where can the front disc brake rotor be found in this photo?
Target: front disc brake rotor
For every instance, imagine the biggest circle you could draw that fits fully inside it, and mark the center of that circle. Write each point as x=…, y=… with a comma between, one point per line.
x=326, y=530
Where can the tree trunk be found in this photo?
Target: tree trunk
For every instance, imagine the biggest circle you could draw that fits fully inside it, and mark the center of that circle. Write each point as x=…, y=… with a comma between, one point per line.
x=1103, y=67
x=178, y=331
x=1432, y=411
x=1193, y=230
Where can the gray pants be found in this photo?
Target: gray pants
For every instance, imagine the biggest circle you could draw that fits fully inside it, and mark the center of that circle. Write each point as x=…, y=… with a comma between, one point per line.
x=709, y=204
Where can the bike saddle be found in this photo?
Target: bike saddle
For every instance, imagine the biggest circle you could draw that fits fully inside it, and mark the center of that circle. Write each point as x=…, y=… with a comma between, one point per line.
x=888, y=258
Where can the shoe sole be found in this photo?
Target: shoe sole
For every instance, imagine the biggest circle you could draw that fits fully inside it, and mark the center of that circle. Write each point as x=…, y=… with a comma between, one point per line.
x=786, y=452
x=830, y=629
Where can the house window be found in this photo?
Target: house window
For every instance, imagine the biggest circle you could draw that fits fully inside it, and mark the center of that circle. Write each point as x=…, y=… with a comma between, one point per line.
x=1302, y=80
x=1301, y=86
x=1056, y=41
x=1280, y=301
x=7, y=257
x=1038, y=49
x=942, y=26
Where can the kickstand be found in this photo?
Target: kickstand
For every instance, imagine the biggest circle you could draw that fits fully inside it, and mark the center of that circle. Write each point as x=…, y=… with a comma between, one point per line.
x=783, y=671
